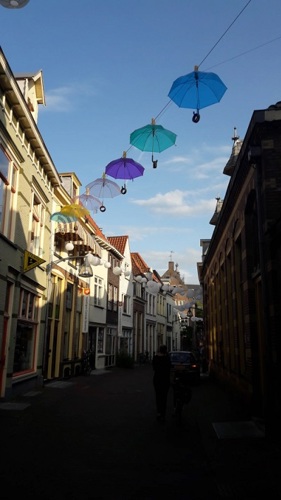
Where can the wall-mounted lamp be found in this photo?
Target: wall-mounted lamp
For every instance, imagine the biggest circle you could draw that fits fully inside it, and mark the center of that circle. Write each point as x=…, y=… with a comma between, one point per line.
x=14, y=4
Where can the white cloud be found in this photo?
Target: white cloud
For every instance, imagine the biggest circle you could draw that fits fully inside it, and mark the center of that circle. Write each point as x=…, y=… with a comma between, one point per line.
x=66, y=98
x=177, y=203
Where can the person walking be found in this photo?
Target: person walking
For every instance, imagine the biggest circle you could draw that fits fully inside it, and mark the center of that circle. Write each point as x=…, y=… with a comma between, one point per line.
x=161, y=380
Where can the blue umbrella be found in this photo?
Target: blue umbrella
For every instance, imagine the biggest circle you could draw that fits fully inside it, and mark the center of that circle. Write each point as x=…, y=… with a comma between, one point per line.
x=154, y=138
x=197, y=90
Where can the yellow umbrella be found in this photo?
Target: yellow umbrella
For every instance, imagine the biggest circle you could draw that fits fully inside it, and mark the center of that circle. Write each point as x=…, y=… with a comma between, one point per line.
x=75, y=210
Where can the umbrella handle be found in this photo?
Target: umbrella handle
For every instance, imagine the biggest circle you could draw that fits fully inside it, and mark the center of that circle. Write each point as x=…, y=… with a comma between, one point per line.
x=123, y=190
x=154, y=162
x=196, y=116
x=102, y=208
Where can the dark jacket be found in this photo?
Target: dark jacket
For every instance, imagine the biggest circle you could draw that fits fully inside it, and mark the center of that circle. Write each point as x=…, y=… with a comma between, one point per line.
x=162, y=367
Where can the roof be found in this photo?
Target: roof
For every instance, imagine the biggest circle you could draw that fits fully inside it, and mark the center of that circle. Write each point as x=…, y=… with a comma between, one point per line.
x=139, y=266
x=38, y=82
x=119, y=242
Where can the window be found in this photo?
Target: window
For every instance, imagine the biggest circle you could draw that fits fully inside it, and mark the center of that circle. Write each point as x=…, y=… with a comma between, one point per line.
x=126, y=304
x=115, y=298
x=100, y=340
x=55, y=298
x=69, y=296
x=78, y=323
x=37, y=225
x=110, y=297
x=8, y=187
x=110, y=341
x=98, y=289
x=24, y=357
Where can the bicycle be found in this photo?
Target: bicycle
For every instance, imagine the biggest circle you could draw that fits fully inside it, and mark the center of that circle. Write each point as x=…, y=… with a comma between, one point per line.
x=182, y=393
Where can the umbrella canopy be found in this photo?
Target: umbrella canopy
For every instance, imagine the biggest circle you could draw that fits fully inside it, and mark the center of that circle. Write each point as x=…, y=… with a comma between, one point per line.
x=103, y=188
x=75, y=210
x=124, y=168
x=152, y=137
x=197, y=90
x=63, y=218
x=89, y=201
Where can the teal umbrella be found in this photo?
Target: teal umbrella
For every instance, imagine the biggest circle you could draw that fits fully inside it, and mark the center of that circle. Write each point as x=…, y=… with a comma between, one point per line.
x=154, y=138
x=63, y=218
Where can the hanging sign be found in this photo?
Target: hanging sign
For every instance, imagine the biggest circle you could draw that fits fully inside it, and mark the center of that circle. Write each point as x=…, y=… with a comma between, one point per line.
x=30, y=261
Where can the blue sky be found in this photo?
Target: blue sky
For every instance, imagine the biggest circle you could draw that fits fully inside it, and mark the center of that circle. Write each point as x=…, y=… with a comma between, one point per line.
x=108, y=67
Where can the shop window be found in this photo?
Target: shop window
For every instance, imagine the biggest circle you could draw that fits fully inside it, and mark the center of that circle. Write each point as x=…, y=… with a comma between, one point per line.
x=24, y=357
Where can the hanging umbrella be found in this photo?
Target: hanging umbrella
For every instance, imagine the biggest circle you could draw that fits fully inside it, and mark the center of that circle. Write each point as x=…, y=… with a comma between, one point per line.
x=88, y=201
x=103, y=188
x=197, y=90
x=63, y=218
x=75, y=210
x=154, y=138
x=124, y=168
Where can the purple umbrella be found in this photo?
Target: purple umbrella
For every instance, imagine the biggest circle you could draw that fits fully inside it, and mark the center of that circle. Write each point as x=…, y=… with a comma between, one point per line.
x=124, y=168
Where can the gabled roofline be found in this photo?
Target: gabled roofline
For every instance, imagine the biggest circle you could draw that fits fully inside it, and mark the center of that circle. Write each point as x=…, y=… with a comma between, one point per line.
x=20, y=108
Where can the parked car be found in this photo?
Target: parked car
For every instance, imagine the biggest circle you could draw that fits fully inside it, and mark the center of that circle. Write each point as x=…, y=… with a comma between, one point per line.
x=186, y=362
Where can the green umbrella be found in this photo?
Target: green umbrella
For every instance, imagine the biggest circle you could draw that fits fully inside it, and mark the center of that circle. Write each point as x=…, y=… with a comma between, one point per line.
x=154, y=138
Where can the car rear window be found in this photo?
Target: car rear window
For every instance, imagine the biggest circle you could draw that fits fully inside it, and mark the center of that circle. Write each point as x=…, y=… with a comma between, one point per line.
x=180, y=357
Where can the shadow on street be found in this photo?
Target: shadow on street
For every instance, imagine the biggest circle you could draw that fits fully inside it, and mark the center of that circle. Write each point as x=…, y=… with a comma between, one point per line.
x=97, y=437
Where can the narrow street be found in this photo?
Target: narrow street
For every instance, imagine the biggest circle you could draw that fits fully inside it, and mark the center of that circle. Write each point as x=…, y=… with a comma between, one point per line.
x=97, y=437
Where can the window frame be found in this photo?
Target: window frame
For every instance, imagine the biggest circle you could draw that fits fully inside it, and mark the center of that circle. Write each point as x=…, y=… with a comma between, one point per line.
x=26, y=333
x=8, y=194
x=37, y=223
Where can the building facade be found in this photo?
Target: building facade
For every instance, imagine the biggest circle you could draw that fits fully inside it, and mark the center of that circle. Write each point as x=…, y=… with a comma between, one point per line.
x=28, y=179
x=240, y=271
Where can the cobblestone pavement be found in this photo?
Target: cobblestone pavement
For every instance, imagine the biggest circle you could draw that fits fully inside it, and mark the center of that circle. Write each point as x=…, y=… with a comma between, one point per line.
x=97, y=437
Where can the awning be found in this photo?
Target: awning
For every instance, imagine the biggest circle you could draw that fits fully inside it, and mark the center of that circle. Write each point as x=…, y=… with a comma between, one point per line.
x=73, y=231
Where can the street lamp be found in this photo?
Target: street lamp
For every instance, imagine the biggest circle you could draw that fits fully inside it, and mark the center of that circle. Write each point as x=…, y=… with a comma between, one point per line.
x=85, y=270
x=13, y=4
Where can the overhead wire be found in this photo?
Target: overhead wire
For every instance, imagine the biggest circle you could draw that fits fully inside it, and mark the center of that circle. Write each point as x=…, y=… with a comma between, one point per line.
x=245, y=52
x=221, y=37
x=203, y=60
x=238, y=15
